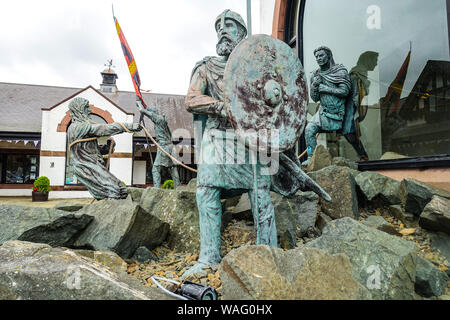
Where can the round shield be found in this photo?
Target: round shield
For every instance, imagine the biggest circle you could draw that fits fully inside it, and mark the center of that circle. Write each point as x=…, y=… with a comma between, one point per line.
x=265, y=94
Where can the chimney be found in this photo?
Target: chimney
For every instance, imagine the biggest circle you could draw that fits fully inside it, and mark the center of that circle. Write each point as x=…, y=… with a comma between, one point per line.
x=109, y=77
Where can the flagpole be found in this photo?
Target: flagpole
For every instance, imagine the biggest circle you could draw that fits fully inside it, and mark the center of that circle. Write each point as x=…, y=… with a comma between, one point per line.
x=249, y=17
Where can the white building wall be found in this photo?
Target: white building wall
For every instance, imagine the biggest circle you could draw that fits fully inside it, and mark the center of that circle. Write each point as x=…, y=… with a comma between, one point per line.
x=139, y=172
x=262, y=16
x=54, y=166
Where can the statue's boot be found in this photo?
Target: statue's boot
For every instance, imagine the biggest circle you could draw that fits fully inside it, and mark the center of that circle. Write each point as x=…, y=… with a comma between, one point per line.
x=198, y=267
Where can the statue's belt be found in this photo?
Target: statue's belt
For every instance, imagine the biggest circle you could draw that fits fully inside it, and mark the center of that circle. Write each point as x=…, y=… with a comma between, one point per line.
x=334, y=116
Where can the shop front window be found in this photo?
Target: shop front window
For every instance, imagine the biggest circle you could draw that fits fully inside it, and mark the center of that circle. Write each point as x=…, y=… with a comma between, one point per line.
x=21, y=169
x=19, y=161
x=399, y=52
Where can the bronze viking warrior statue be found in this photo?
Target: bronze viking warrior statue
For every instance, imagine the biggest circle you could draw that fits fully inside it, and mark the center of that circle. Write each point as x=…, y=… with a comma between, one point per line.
x=256, y=83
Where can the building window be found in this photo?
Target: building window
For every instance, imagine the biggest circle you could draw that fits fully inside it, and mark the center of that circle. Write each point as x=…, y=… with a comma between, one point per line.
x=21, y=168
x=19, y=162
x=400, y=52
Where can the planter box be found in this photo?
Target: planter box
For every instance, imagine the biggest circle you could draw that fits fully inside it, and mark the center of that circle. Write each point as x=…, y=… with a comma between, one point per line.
x=39, y=196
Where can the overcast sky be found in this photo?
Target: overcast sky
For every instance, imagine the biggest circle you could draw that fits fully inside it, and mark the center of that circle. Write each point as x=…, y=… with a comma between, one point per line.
x=66, y=43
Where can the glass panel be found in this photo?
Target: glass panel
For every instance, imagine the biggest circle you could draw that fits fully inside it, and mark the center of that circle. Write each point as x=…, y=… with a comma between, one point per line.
x=398, y=55
x=20, y=169
x=293, y=31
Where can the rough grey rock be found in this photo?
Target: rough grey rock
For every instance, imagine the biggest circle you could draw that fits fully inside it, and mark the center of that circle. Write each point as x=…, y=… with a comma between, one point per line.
x=430, y=281
x=34, y=271
x=374, y=255
x=322, y=221
x=436, y=215
x=243, y=210
x=51, y=226
x=415, y=195
x=241, y=233
x=379, y=189
x=397, y=212
x=142, y=254
x=177, y=209
x=344, y=162
x=354, y=172
x=379, y=223
x=228, y=208
x=294, y=215
x=320, y=159
x=263, y=273
x=107, y=258
x=340, y=185
x=440, y=241
x=121, y=226
x=192, y=185
x=68, y=206
x=135, y=193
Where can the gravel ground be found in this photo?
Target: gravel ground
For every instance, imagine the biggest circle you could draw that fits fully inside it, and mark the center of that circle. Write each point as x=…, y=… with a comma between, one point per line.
x=26, y=201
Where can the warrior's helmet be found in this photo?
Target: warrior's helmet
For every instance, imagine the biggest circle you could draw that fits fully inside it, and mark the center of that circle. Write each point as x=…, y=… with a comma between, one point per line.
x=228, y=14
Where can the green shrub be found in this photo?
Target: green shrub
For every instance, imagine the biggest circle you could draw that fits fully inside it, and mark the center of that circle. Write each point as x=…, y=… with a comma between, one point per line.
x=168, y=184
x=42, y=184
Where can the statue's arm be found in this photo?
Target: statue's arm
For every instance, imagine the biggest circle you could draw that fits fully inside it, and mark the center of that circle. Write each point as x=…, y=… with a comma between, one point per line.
x=315, y=82
x=341, y=91
x=315, y=95
x=104, y=130
x=197, y=101
x=155, y=117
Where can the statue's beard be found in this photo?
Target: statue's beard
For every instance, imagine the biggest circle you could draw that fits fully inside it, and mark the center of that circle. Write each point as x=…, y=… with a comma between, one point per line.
x=225, y=46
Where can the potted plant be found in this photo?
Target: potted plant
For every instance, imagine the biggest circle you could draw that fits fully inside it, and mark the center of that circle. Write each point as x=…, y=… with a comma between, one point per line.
x=168, y=184
x=41, y=189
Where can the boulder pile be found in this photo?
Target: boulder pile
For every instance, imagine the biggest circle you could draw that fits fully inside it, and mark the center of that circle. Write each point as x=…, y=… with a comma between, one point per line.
x=376, y=239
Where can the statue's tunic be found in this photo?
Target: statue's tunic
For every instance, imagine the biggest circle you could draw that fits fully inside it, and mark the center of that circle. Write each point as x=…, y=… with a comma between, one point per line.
x=163, y=137
x=87, y=162
x=333, y=103
x=219, y=142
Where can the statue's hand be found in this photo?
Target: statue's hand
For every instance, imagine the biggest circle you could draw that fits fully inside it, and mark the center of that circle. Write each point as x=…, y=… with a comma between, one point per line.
x=220, y=109
x=139, y=106
x=135, y=127
x=323, y=88
x=317, y=80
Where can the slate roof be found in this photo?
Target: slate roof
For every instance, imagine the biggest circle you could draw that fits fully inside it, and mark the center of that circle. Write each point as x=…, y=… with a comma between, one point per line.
x=21, y=105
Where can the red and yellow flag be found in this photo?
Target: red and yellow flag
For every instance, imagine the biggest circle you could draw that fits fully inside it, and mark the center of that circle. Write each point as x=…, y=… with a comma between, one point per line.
x=130, y=62
x=393, y=95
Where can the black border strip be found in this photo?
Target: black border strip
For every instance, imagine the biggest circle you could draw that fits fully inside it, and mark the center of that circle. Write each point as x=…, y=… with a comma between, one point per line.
x=20, y=135
x=404, y=163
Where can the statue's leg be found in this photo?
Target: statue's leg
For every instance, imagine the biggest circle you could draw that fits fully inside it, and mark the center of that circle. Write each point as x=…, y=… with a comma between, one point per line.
x=311, y=142
x=357, y=145
x=156, y=173
x=210, y=214
x=264, y=217
x=175, y=176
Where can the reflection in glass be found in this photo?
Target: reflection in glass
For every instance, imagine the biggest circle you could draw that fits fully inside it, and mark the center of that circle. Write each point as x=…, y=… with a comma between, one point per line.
x=399, y=53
